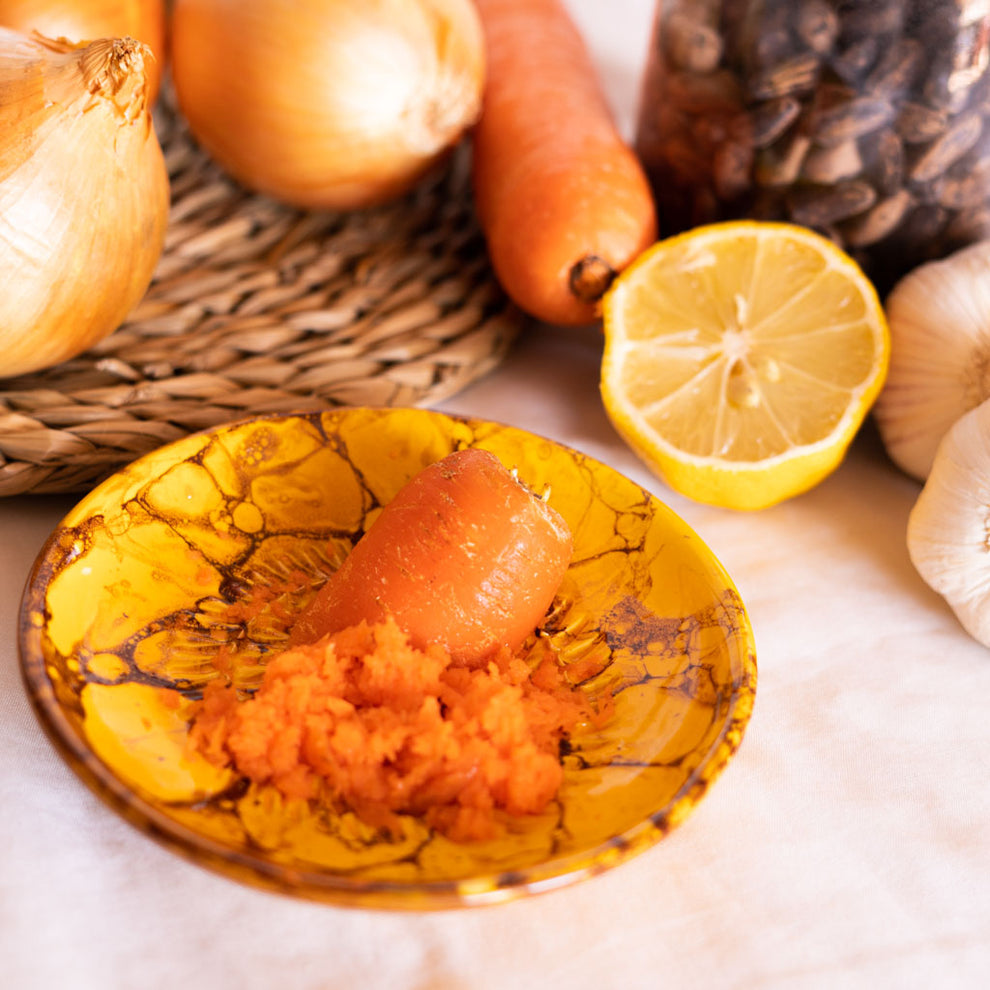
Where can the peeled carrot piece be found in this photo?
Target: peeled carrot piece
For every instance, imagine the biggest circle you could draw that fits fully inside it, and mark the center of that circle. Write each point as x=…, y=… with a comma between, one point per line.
x=464, y=557
x=563, y=200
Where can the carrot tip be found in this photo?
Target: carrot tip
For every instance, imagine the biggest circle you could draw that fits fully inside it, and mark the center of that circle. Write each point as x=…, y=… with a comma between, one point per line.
x=590, y=278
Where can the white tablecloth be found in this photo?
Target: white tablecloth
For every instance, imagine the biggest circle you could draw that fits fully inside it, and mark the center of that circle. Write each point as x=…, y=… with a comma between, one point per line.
x=846, y=845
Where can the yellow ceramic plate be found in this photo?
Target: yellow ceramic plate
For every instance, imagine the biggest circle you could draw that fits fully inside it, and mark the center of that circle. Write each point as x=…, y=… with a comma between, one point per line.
x=172, y=563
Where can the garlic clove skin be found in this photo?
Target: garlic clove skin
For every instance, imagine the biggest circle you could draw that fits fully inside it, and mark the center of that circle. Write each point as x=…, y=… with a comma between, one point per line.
x=939, y=318
x=84, y=194
x=948, y=535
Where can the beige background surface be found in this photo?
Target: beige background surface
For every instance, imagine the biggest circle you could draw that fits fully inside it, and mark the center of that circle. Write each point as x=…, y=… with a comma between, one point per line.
x=847, y=845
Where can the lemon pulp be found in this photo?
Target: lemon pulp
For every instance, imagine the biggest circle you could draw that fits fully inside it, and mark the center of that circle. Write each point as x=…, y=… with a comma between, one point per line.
x=741, y=359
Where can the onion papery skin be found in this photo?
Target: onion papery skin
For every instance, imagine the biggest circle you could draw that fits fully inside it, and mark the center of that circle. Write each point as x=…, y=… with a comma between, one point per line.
x=84, y=195
x=89, y=20
x=341, y=104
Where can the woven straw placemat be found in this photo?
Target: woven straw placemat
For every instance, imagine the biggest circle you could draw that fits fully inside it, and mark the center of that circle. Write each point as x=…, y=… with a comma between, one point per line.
x=256, y=308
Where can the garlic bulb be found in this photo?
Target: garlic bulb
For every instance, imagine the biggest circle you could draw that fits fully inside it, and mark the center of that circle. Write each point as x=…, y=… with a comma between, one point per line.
x=949, y=527
x=83, y=194
x=939, y=317
x=336, y=104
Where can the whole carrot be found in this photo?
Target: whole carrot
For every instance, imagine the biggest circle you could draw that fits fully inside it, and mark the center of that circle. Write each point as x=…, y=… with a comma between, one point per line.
x=562, y=199
x=463, y=557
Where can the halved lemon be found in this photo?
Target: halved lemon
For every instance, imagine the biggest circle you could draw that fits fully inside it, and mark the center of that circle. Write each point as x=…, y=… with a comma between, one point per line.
x=741, y=359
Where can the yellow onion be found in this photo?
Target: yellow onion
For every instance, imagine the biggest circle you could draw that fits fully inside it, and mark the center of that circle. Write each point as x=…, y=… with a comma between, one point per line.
x=328, y=103
x=83, y=194
x=87, y=20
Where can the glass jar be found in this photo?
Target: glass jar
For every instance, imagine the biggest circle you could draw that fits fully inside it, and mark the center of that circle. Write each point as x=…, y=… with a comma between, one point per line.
x=866, y=120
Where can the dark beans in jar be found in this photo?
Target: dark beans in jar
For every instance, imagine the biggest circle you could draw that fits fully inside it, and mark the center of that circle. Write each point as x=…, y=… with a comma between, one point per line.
x=866, y=120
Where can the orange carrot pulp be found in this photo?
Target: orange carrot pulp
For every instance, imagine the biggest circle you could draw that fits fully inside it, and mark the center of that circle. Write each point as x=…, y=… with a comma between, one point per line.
x=563, y=200
x=361, y=720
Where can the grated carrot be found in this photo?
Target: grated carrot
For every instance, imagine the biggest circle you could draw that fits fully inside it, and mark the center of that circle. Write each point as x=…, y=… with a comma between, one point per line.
x=365, y=721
